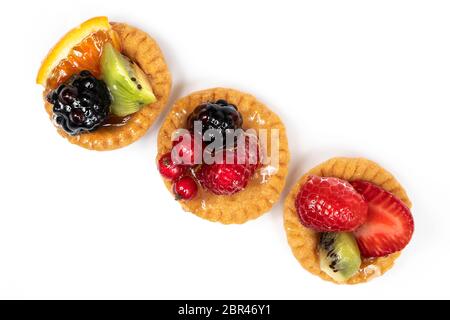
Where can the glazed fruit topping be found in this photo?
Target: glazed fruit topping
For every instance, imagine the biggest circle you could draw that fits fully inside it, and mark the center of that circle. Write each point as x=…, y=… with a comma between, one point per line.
x=222, y=171
x=168, y=169
x=185, y=188
x=81, y=104
x=339, y=255
x=328, y=204
x=128, y=84
x=219, y=116
x=226, y=178
x=80, y=49
x=389, y=226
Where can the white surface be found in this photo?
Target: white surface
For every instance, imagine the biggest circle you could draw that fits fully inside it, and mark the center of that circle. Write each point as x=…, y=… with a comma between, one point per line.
x=349, y=78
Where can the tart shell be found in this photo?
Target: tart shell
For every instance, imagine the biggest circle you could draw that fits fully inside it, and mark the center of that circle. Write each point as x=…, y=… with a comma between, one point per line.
x=142, y=49
x=304, y=241
x=257, y=198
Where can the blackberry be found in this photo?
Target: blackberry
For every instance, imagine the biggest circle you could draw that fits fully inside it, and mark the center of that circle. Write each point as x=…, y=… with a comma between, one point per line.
x=219, y=115
x=81, y=104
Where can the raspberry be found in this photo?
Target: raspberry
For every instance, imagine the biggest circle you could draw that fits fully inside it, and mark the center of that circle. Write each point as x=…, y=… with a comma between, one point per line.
x=330, y=205
x=226, y=178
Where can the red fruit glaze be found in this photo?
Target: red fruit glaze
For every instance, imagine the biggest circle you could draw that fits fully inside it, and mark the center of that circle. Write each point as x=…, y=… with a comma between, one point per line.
x=168, y=169
x=389, y=226
x=330, y=205
x=185, y=188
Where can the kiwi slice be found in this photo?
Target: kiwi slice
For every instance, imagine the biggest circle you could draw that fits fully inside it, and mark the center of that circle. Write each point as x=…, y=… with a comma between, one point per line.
x=339, y=255
x=128, y=84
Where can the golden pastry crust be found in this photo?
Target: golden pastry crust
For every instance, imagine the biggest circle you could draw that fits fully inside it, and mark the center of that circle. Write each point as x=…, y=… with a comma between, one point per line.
x=257, y=198
x=304, y=241
x=142, y=49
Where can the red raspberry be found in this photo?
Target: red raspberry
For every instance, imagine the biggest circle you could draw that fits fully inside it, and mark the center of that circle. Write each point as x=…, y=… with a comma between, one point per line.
x=330, y=205
x=225, y=178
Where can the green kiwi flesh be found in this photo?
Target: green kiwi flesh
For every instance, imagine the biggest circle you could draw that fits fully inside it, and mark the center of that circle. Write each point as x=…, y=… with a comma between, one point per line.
x=129, y=86
x=339, y=255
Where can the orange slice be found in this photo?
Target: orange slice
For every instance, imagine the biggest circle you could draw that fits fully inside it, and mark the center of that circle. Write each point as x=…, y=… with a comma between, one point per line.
x=80, y=49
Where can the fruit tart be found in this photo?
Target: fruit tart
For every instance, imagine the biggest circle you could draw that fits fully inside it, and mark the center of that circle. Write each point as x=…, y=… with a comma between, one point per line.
x=104, y=84
x=224, y=155
x=347, y=220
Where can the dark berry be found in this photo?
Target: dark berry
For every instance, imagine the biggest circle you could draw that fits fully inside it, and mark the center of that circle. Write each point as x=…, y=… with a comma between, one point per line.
x=59, y=120
x=60, y=88
x=52, y=96
x=81, y=104
x=185, y=188
x=168, y=169
x=68, y=95
x=219, y=116
x=85, y=73
x=86, y=100
x=87, y=83
x=76, y=116
x=225, y=103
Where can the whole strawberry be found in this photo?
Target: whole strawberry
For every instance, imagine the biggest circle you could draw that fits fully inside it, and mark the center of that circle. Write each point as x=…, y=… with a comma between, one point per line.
x=330, y=205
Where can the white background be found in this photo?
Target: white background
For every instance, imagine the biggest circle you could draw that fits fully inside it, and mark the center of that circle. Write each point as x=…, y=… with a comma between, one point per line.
x=349, y=78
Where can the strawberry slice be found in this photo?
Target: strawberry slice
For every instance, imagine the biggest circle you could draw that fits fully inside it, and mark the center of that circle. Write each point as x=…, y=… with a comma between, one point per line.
x=389, y=226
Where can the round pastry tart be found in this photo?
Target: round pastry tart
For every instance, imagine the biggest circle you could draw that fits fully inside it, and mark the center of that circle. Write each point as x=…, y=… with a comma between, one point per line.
x=224, y=155
x=347, y=220
x=104, y=84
